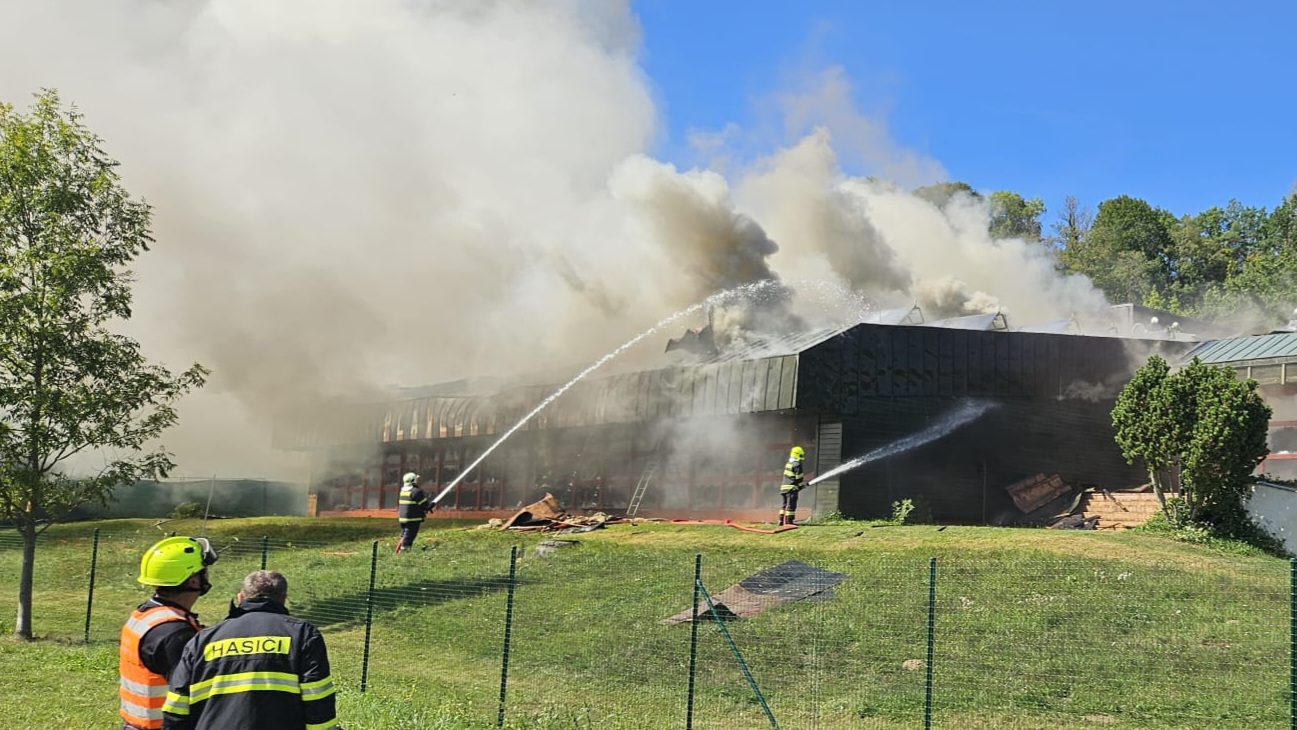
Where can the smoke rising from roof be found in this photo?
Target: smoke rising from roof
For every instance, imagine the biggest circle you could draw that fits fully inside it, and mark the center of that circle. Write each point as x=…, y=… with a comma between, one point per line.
x=350, y=195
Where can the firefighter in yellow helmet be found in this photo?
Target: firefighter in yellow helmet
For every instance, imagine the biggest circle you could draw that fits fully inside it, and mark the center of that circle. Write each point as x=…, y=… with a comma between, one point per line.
x=412, y=507
x=156, y=633
x=794, y=482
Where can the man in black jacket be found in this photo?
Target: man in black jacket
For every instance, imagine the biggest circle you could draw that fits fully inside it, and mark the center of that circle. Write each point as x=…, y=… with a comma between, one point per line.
x=412, y=506
x=259, y=669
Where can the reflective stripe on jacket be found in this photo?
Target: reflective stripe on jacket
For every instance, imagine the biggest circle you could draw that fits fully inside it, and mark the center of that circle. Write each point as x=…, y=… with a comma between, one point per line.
x=412, y=506
x=793, y=478
x=258, y=668
x=141, y=690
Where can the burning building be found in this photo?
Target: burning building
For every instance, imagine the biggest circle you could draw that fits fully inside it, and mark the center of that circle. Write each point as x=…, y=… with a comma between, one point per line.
x=705, y=433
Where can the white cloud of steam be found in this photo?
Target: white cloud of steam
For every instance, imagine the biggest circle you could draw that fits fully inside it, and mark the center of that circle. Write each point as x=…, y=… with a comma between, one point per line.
x=353, y=194
x=899, y=248
x=823, y=98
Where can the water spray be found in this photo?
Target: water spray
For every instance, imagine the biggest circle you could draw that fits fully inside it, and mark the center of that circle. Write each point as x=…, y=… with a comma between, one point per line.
x=967, y=411
x=717, y=298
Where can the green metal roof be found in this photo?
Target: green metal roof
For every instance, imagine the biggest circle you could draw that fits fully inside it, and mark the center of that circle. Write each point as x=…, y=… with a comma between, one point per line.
x=1244, y=349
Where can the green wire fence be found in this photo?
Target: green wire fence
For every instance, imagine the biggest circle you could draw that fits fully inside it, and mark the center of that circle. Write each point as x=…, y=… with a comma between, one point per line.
x=568, y=633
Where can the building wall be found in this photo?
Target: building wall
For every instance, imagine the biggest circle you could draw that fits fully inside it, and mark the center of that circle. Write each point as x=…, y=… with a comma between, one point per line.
x=1282, y=438
x=961, y=477
x=1052, y=398
x=1274, y=507
x=719, y=433
x=713, y=465
x=840, y=375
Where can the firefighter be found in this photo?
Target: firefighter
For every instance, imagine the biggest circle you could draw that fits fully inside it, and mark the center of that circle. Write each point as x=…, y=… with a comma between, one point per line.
x=413, y=506
x=154, y=637
x=259, y=669
x=794, y=482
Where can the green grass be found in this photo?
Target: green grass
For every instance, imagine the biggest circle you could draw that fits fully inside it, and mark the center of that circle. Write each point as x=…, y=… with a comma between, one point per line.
x=1032, y=628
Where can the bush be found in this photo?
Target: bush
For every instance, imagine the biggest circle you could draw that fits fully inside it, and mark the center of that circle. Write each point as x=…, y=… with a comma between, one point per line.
x=1228, y=533
x=187, y=510
x=914, y=511
x=901, y=511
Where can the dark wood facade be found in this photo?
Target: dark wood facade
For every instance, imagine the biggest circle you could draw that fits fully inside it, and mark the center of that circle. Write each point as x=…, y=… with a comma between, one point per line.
x=714, y=435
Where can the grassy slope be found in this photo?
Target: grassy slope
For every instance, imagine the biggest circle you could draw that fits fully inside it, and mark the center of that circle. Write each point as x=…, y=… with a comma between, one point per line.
x=1033, y=628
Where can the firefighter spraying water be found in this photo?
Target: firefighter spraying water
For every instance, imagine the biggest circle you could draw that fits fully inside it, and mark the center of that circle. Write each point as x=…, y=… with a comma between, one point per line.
x=967, y=411
x=721, y=297
x=794, y=482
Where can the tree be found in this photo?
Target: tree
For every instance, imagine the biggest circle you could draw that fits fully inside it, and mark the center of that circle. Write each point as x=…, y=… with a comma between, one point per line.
x=1128, y=250
x=1014, y=217
x=1200, y=432
x=68, y=385
x=1072, y=226
x=1265, y=280
x=940, y=194
x=1279, y=232
x=1200, y=258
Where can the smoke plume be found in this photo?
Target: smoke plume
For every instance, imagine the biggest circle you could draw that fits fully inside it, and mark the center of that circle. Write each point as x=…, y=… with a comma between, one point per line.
x=354, y=195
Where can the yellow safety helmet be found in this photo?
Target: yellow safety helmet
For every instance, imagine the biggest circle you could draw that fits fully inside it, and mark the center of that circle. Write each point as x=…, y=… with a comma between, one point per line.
x=172, y=561
x=411, y=478
x=797, y=452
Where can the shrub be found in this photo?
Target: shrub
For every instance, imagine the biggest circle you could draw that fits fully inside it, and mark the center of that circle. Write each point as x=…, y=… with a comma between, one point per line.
x=188, y=510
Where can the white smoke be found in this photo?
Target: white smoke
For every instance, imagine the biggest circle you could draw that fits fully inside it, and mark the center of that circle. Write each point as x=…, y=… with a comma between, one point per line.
x=901, y=248
x=354, y=194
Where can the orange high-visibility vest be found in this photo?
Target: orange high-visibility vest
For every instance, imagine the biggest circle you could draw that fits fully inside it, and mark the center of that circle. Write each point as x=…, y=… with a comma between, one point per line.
x=141, y=690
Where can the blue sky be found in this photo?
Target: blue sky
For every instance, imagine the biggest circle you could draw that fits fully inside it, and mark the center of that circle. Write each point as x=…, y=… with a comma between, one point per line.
x=1185, y=104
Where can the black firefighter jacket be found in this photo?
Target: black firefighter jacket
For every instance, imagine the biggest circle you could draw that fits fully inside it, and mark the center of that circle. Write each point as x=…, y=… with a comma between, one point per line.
x=258, y=669
x=412, y=504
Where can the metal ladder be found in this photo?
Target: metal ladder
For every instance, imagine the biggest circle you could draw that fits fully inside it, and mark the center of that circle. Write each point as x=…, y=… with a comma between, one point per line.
x=638, y=495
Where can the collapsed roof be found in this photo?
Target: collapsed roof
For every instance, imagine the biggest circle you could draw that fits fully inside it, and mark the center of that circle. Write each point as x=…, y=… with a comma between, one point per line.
x=756, y=373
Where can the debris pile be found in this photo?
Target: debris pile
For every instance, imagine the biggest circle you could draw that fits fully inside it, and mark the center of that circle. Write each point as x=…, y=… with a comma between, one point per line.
x=547, y=515
x=1048, y=501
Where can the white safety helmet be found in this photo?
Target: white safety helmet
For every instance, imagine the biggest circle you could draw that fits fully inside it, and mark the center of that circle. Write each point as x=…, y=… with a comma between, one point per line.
x=411, y=478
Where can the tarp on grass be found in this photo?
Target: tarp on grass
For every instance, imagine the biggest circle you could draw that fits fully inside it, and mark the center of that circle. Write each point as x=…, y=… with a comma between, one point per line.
x=790, y=581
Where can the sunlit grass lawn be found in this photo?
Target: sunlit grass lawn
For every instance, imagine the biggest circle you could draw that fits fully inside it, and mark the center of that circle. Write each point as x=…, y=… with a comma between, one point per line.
x=1030, y=628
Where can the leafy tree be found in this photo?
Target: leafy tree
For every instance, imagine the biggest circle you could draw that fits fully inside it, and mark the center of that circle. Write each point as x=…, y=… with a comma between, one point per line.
x=1014, y=217
x=1237, y=230
x=940, y=194
x=1200, y=432
x=1264, y=284
x=1131, y=224
x=68, y=385
x=1279, y=232
x=1213, y=246
x=1128, y=250
x=1200, y=259
x=1167, y=302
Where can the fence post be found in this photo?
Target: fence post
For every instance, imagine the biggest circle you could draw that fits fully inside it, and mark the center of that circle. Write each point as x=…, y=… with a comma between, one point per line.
x=369, y=616
x=738, y=655
x=693, y=643
x=90, y=594
x=265, y=548
x=1292, y=643
x=932, y=624
x=508, y=632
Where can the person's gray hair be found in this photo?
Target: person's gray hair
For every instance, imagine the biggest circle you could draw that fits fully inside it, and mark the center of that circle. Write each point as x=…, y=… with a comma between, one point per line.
x=265, y=584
